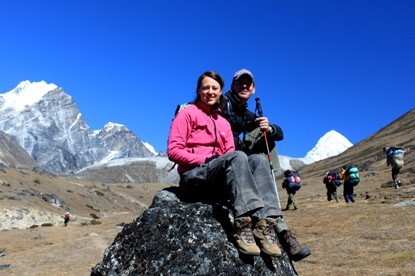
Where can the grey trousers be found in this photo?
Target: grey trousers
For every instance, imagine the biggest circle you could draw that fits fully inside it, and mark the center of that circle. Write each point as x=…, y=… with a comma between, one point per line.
x=242, y=183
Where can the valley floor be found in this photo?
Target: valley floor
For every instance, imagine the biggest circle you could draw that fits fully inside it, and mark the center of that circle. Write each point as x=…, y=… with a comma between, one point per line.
x=374, y=236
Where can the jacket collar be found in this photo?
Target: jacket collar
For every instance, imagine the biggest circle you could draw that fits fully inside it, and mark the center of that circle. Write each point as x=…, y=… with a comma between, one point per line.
x=208, y=109
x=234, y=99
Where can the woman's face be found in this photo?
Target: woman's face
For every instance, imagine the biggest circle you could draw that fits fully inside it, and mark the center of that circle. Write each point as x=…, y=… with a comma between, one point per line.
x=209, y=91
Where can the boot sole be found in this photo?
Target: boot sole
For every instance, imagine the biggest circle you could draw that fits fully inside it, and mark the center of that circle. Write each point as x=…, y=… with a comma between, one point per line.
x=249, y=253
x=271, y=254
x=303, y=254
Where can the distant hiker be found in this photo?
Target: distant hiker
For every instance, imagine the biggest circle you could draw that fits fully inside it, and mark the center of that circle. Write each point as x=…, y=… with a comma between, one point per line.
x=332, y=181
x=394, y=157
x=66, y=218
x=245, y=123
x=201, y=143
x=291, y=183
x=350, y=175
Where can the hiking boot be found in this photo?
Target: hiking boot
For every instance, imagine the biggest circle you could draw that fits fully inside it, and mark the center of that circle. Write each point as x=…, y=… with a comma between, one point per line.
x=267, y=238
x=294, y=249
x=244, y=239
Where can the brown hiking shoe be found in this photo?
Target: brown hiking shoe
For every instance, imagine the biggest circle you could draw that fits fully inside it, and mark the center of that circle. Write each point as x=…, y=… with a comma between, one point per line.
x=243, y=236
x=294, y=249
x=265, y=234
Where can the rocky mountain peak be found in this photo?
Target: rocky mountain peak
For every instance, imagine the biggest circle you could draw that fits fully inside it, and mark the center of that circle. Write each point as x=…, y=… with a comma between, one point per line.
x=25, y=94
x=51, y=129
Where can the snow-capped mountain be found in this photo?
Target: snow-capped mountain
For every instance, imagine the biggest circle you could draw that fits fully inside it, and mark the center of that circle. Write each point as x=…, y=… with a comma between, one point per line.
x=46, y=122
x=330, y=144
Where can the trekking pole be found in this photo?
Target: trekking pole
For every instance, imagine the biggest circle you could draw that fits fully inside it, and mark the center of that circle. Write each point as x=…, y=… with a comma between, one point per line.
x=259, y=109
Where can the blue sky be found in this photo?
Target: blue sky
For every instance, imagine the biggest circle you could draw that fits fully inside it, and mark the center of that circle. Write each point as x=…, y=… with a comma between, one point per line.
x=318, y=65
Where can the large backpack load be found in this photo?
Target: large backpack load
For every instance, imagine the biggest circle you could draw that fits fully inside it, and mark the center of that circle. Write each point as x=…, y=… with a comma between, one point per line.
x=395, y=157
x=292, y=180
x=332, y=177
x=352, y=175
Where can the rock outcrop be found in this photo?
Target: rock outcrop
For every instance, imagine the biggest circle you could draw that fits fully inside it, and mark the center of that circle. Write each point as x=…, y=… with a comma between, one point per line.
x=173, y=237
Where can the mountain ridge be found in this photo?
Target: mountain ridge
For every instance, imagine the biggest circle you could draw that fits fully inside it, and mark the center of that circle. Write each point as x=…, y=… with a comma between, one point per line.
x=49, y=126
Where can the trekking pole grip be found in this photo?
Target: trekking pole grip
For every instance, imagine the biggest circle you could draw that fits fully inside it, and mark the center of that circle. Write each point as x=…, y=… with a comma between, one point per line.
x=258, y=107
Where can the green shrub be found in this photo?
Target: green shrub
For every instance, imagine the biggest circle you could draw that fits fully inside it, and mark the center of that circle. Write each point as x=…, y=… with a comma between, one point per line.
x=47, y=224
x=95, y=222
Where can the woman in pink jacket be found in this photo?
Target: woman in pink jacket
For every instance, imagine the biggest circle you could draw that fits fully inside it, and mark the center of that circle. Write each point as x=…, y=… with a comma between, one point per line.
x=202, y=145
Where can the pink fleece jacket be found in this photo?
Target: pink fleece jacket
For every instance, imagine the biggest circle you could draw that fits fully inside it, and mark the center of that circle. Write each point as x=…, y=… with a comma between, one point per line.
x=197, y=133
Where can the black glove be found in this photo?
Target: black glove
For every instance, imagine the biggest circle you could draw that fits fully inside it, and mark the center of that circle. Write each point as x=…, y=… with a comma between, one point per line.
x=207, y=160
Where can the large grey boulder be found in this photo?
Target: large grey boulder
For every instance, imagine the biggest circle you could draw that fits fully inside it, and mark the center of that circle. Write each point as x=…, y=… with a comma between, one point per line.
x=173, y=237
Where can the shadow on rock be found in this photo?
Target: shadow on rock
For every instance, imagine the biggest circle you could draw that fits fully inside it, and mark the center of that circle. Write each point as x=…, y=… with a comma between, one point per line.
x=174, y=237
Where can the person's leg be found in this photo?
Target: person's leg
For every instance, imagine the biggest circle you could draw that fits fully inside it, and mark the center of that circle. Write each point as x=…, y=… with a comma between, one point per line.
x=267, y=187
x=228, y=179
x=395, y=172
x=335, y=195
x=264, y=219
x=288, y=201
x=292, y=199
x=351, y=193
x=346, y=192
x=271, y=215
x=329, y=191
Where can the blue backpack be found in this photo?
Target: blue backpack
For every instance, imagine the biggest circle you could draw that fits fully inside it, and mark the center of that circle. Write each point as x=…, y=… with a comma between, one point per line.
x=332, y=177
x=292, y=180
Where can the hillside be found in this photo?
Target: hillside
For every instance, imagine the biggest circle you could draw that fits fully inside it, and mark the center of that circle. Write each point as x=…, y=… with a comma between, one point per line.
x=374, y=236
x=33, y=239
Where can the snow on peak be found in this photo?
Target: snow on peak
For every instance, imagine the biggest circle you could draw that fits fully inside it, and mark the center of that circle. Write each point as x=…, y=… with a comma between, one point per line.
x=113, y=126
x=26, y=93
x=150, y=148
x=331, y=144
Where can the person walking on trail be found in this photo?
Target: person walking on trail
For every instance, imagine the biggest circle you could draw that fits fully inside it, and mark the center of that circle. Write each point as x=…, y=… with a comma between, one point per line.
x=394, y=158
x=332, y=181
x=350, y=175
x=248, y=128
x=201, y=143
x=291, y=183
x=66, y=218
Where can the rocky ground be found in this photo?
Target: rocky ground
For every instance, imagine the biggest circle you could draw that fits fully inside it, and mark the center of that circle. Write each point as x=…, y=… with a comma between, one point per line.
x=373, y=236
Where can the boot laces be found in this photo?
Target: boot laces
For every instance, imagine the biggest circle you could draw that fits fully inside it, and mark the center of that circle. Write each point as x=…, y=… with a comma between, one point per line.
x=270, y=232
x=292, y=241
x=246, y=232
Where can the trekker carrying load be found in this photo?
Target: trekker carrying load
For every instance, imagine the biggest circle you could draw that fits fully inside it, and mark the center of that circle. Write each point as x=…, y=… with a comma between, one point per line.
x=332, y=181
x=291, y=183
x=394, y=157
x=350, y=175
x=66, y=218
